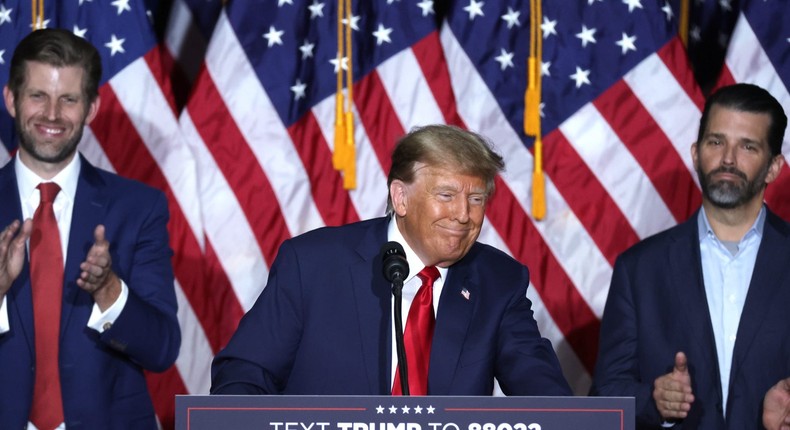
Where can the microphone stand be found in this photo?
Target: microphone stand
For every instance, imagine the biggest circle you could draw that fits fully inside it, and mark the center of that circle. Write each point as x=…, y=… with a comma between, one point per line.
x=403, y=371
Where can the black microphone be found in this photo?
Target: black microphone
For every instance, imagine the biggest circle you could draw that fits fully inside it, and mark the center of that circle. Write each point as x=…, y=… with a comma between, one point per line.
x=396, y=269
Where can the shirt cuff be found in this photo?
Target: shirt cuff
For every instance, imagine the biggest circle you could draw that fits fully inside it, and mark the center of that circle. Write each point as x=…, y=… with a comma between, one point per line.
x=4, y=325
x=102, y=321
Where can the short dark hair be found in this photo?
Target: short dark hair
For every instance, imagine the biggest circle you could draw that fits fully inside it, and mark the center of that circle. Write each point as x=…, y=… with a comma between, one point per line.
x=58, y=48
x=444, y=146
x=753, y=99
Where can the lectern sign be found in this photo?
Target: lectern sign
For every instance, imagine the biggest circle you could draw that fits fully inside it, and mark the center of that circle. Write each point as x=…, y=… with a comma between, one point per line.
x=403, y=413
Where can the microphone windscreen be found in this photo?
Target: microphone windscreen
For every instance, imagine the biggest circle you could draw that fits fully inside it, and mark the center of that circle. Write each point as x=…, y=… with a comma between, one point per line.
x=394, y=261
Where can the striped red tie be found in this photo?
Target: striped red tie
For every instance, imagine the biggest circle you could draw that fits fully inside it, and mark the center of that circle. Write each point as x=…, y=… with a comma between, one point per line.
x=418, y=335
x=46, y=279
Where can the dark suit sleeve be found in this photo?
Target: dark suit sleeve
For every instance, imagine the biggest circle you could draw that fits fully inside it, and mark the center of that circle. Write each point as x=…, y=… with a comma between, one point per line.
x=527, y=364
x=147, y=329
x=259, y=357
x=617, y=370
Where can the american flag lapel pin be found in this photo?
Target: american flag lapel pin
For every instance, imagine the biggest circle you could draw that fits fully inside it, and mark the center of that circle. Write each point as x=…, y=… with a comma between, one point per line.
x=465, y=293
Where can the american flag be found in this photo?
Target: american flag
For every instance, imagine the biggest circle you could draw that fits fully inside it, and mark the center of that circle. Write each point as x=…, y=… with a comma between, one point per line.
x=759, y=53
x=248, y=163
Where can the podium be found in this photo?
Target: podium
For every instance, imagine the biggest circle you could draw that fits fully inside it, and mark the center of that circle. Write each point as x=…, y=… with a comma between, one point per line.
x=196, y=412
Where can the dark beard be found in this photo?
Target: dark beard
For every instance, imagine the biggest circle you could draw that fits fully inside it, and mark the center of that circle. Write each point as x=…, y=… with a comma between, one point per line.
x=26, y=142
x=729, y=195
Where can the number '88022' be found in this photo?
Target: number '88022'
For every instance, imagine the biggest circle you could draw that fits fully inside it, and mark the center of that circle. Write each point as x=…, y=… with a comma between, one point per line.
x=504, y=426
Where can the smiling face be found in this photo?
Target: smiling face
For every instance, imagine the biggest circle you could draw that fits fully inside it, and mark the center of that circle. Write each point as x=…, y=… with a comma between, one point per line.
x=440, y=213
x=733, y=160
x=50, y=112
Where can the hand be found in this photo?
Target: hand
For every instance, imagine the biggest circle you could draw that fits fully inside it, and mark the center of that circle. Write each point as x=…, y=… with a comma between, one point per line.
x=672, y=392
x=97, y=276
x=776, y=406
x=12, y=252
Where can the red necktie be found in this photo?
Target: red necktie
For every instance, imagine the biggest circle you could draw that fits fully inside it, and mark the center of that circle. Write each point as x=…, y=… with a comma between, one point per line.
x=46, y=279
x=418, y=335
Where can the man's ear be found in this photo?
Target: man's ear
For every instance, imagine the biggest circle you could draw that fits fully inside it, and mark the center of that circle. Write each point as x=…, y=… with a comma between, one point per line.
x=8, y=97
x=694, y=154
x=775, y=168
x=399, y=197
x=93, y=109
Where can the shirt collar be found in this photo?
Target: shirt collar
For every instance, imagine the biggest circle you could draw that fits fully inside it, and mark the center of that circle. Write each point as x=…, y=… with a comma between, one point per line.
x=67, y=179
x=415, y=264
x=705, y=229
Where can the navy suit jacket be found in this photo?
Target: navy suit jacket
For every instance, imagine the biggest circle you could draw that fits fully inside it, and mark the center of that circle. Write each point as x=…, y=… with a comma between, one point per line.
x=657, y=306
x=101, y=375
x=322, y=325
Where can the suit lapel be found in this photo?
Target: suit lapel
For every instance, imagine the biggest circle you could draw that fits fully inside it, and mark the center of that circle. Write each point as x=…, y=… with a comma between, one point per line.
x=768, y=278
x=87, y=213
x=373, y=301
x=20, y=290
x=452, y=323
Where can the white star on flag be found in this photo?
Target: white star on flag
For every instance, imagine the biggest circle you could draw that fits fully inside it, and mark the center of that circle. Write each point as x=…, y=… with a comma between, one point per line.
x=116, y=45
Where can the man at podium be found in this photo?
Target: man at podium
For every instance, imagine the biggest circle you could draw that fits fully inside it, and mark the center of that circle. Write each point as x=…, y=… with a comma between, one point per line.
x=324, y=323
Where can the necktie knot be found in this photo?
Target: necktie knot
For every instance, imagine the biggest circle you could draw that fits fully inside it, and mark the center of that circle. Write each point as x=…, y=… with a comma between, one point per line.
x=48, y=190
x=429, y=275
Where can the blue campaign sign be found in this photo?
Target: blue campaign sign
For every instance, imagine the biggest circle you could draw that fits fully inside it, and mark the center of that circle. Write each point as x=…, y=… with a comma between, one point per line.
x=403, y=413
